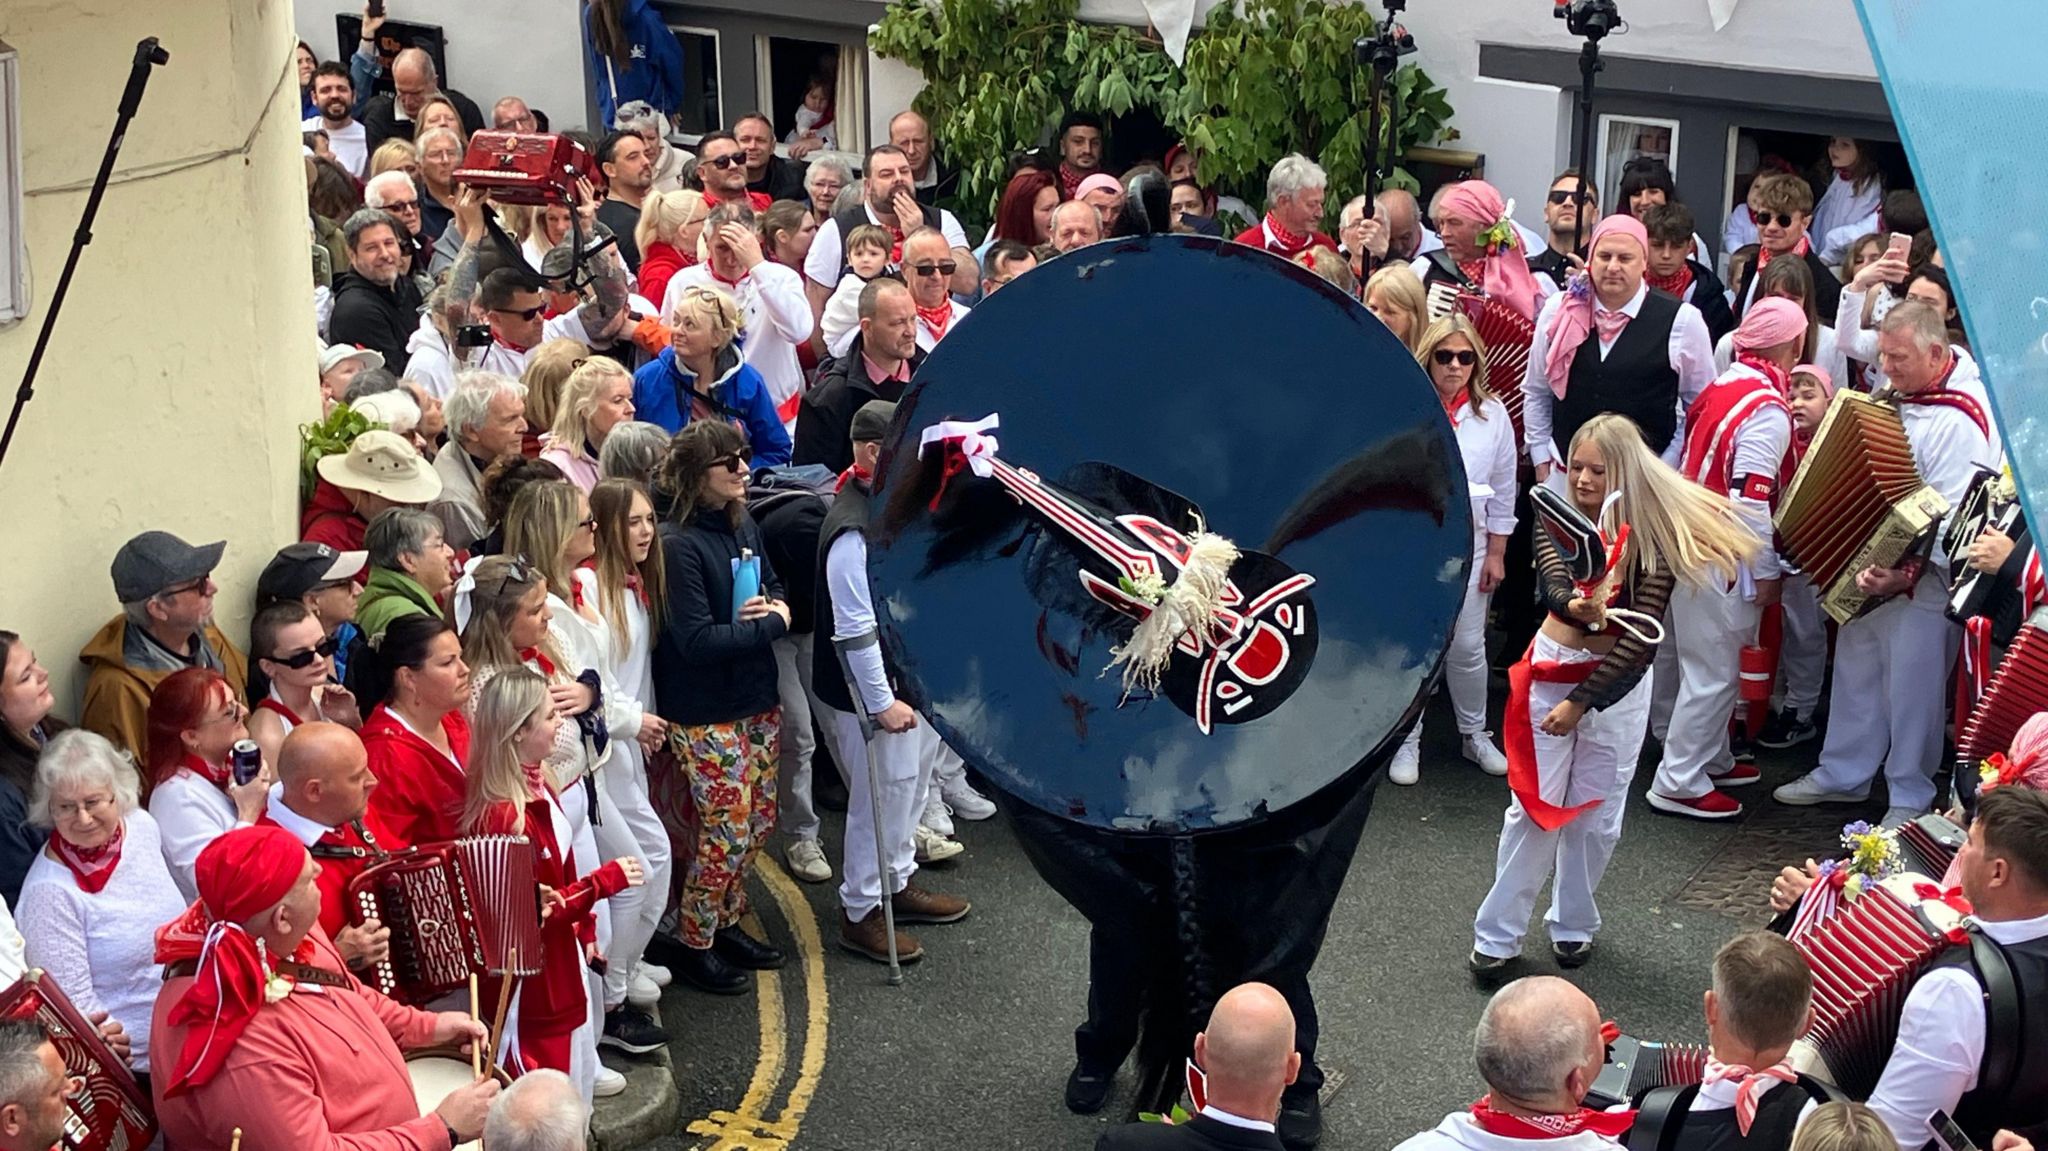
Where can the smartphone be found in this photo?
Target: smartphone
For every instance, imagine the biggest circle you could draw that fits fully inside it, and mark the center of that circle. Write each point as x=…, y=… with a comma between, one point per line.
x=1948, y=1134
x=376, y=8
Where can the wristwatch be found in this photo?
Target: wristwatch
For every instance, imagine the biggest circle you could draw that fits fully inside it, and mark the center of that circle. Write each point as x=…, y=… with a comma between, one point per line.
x=453, y=1139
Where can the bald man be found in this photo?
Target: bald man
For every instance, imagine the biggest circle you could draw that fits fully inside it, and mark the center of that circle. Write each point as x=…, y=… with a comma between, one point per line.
x=912, y=133
x=1247, y=1058
x=322, y=796
x=413, y=78
x=1539, y=1048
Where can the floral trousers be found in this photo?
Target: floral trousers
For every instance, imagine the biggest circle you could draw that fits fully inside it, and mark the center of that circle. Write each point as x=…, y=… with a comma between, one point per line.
x=718, y=802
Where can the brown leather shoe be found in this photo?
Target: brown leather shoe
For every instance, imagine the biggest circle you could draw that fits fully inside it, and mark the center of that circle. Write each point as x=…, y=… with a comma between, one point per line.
x=870, y=938
x=916, y=905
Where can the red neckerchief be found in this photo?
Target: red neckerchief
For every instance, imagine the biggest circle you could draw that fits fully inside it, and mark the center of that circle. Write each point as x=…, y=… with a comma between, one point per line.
x=637, y=586
x=215, y=775
x=1452, y=404
x=1612, y=1124
x=535, y=656
x=536, y=780
x=854, y=473
x=1677, y=283
x=1939, y=393
x=576, y=592
x=712, y=268
x=1768, y=370
x=90, y=866
x=1070, y=181
x=937, y=318
x=1280, y=240
x=1751, y=1083
x=1763, y=255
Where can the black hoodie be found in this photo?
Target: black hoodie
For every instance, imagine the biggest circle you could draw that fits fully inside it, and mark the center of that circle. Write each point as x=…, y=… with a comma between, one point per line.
x=378, y=318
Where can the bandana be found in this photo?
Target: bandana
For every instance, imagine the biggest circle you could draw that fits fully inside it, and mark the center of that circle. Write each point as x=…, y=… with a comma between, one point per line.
x=1612, y=1124
x=2027, y=761
x=1070, y=181
x=1754, y=1084
x=937, y=319
x=1676, y=284
x=854, y=474
x=1770, y=322
x=90, y=866
x=215, y=775
x=1575, y=320
x=537, y=784
x=1763, y=255
x=1504, y=273
x=1452, y=403
x=1286, y=243
x=538, y=658
x=517, y=349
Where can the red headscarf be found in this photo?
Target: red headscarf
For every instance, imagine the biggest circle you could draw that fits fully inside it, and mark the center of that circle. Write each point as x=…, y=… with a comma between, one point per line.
x=240, y=875
x=1574, y=320
x=1506, y=276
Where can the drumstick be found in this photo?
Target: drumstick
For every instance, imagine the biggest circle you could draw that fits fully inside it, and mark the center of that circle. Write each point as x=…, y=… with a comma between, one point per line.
x=476, y=1046
x=504, y=999
x=235, y=1140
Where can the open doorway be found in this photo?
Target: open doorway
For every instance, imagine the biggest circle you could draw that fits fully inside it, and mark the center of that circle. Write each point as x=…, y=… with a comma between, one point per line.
x=1805, y=153
x=793, y=66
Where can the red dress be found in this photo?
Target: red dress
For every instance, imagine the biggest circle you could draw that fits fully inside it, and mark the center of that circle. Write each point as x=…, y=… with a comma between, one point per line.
x=418, y=797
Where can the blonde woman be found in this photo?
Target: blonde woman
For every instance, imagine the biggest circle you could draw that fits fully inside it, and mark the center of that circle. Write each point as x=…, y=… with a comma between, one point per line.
x=1451, y=351
x=670, y=225
x=701, y=375
x=544, y=377
x=1395, y=295
x=597, y=397
x=1579, y=700
x=395, y=155
x=1849, y=1126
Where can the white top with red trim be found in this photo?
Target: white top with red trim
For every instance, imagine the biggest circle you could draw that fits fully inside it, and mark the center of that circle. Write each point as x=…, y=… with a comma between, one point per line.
x=1948, y=443
x=1753, y=434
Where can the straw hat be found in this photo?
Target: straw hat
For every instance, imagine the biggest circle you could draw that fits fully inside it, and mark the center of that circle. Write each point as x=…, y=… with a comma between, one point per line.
x=383, y=464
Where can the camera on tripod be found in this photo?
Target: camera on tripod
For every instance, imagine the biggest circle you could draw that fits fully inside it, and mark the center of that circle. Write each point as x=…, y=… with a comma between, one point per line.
x=1589, y=18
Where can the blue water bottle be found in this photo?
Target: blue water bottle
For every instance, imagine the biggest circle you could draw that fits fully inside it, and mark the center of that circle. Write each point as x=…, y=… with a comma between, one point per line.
x=746, y=580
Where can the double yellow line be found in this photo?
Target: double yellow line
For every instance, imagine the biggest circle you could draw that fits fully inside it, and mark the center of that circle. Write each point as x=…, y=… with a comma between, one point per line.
x=747, y=1127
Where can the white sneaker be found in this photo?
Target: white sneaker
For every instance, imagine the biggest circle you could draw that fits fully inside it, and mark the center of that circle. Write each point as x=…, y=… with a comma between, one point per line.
x=937, y=815
x=609, y=1083
x=1407, y=765
x=655, y=973
x=935, y=848
x=1806, y=791
x=966, y=802
x=1479, y=748
x=642, y=992
x=807, y=861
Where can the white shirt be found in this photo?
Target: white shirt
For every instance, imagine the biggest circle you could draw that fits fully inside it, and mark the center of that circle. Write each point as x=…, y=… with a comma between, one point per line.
x=349, y=143
x=823, y=264
x=508, y=361
x=1460, y=1132
x=1941, y=1041
x=431, y=361
x=1231, y=1120
x=13, y=948
x=1760, y=442
x=846, y=574
x=1948, y=446
x=1488, y=448
x=777, y=318
x=1691, y=356
x=1834, y=248
x=841, y=321
x=1842, y=206
x=190, y=812
x=927, y=338
x=305, y=830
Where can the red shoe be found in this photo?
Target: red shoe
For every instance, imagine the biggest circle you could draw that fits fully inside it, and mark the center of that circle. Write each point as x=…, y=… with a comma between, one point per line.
x=1737, y=776
x=1712, y=805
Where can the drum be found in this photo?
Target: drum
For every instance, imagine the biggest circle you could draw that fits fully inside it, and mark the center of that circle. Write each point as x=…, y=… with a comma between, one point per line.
x=438, y=1071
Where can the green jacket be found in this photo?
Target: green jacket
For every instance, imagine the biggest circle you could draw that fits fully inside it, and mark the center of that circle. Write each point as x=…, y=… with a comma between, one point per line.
x=387, y=595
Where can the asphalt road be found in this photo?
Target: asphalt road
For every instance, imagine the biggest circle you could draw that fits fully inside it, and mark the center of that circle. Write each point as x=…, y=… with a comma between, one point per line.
x=972, y=1051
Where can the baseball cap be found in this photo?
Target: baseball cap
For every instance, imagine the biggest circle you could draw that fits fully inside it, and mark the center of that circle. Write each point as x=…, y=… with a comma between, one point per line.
x=871, y=422
x=153, y=561
x=333, y=354
x=299, y=568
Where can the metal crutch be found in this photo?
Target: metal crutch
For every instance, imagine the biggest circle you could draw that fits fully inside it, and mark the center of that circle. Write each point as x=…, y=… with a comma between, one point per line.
x=867, y=746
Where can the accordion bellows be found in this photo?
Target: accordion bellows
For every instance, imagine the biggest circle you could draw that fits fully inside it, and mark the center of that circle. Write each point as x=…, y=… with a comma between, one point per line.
x=1856, y=501
x=1507, y=335
x=472, y=906
x=110, y=1112
x=2018, y=689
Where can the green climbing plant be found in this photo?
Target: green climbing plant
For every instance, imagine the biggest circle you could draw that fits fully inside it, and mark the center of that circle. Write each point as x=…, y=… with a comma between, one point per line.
x=1262, y=79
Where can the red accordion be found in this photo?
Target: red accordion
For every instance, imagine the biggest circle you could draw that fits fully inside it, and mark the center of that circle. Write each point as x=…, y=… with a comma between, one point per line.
x=2018, y=689
x=111, y=1113
x=1865, y=958
x=472, y=906
x=1507, y=335
x=1930, y=844
x=1856, y=501
x=525, y=167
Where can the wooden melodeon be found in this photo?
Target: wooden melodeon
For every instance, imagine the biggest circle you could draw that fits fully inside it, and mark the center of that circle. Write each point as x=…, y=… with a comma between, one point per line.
x=2018, y=689
x=110, y=1113
x=1507, y=335
x=471, y=906
x=1856, y=501
x=1635, y=1066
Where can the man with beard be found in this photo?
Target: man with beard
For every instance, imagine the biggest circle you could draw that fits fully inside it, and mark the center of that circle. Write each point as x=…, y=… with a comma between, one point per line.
x=722, y=170
x=1566, y=226
x=767, y=173
x=629, y=176
x=335, y=96
x=394, y=192
x=889, y=204
x=375, y=306
x=1080, y=141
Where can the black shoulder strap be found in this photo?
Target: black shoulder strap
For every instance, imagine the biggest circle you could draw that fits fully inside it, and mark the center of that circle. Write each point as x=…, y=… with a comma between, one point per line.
x=2002, y=1040
x=1659, y=1116
x=1440, y=262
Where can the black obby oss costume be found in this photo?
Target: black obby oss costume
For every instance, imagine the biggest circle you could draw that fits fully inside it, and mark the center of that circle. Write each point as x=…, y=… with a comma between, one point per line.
x=1204, y=828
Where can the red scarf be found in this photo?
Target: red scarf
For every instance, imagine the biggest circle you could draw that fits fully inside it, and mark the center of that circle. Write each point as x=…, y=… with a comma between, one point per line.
x=854, y=474
x=1768, y=370
x=1751, y=1085
x=215, y=775
x=521, y=349
x=937, y=318
x=1452, y=403
x=1279, y=239
x=1070, y=181
x=1939, y=393
x=534, y=655
x=1612, y=1124
x=1677, y=283
x=1475, y=270
x=537, y=784
x=1763, y=255
x=90, y=866
x=712, y=268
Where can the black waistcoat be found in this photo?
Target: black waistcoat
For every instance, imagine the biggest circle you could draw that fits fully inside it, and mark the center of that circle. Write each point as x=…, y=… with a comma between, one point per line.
x=2019, y=1043
x=849, y=514
x=1635, y=380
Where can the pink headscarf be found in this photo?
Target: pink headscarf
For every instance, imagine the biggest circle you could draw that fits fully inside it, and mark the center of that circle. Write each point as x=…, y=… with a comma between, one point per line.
x=1574, y=321
x=1506, y=276
x=1770, y=322
x=2026, y=762
x=1098, y=182
x=1820, y=376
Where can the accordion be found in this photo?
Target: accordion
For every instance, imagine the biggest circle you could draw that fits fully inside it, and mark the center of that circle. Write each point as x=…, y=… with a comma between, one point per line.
x=2018, y=689
x=454, y=909
x=1992, y=502
x=110, y=1113
x=1856, y=501
x=1930, y=844
x=1864, y=959
x=1507, y=335
x=1635, y=1066
x=525, y=167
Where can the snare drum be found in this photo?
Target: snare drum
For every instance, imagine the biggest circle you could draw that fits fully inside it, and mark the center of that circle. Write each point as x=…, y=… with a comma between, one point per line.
x=438, y=1071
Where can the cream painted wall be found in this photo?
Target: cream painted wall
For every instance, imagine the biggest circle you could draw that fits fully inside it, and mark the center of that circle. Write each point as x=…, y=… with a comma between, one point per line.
x=184, y=358
x=532, y=49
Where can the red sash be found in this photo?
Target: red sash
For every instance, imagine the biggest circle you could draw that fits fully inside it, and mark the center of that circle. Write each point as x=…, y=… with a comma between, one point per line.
x=1713, y=420
x=271, y=703
x=1518, y=737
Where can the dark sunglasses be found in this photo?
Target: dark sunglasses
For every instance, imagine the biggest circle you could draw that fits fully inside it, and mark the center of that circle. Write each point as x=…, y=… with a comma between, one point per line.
x=733, y=463
x=528, y=314
x=304, y=659
x=1564, y=196
x=733, y=161
x=518, y=571
x=402, y=206
x=1446, y=357
x=1761, y=218
x=945, y=269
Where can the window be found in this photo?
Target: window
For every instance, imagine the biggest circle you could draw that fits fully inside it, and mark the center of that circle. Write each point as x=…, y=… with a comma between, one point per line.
x=13, y=246
x=789, y=66
x=1625, y=138
x=703, y=106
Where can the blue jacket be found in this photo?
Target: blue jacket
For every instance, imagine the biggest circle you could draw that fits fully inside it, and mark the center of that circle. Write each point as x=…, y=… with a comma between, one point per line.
x=655, y=75
x=661, y=384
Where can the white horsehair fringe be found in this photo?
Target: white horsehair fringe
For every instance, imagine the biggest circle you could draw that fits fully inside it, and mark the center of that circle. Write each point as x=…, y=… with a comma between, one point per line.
x=1190, y=601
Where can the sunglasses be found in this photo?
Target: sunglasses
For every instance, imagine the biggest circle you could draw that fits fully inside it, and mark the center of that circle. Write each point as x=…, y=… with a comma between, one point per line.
x=304, y=659
x=402, y=206
x=198, y=585
x=1564, y=196
x=945, y=269
x=734, y=463
x=516, y=572
x=1760, y=219
x=528, y=314
x=1446, y=357
x=733, y=161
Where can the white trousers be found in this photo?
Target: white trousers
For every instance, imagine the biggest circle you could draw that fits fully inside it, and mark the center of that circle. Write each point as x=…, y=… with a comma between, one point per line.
x=1705, y=629
x=1891, y=684
x=636, y=911
x=1596, y=761
x=904, y=762
x=1803, y=648
x=1465, y=669
x=798, y=813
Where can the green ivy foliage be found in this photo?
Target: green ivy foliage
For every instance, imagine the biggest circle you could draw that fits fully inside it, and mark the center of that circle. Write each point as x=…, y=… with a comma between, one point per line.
x=1262, y=79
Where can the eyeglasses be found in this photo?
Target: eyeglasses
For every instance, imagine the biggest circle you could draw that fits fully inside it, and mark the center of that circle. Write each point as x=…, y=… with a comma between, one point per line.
x=734, y=463
x=733, y=161
x=1445, y=357
x=300, y=661
x=527, y=314
x=1762, y=218
x=198, y=585
x=1564, y=196
x=402, y=206
x=945, y=269
x=235, y=712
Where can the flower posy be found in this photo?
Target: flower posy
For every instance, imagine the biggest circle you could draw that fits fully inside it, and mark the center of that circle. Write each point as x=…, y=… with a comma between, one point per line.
x=1501, y=236
x=1873, y=854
